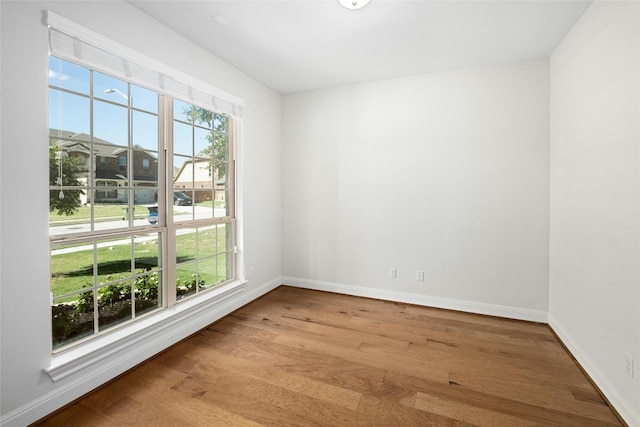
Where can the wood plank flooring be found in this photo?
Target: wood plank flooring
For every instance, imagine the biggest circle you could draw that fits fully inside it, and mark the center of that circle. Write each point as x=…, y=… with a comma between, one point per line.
x=297, y=357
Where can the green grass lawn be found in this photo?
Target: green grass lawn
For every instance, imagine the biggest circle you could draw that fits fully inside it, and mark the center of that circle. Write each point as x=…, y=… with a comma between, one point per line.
x=104, y=212
x=73, y=271
x=100, y=212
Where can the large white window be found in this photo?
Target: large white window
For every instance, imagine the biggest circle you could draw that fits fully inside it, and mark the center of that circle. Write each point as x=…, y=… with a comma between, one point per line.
x=135, y=225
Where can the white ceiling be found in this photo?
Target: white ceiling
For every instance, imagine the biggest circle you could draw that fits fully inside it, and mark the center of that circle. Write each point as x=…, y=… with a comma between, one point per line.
x=298, y=45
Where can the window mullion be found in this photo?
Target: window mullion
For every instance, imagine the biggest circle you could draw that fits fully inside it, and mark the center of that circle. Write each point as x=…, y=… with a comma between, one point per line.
x=165, y=130
x=130, y=166
x=231, y=173
x=132, y=280
x=92, y=187
x=94, y=291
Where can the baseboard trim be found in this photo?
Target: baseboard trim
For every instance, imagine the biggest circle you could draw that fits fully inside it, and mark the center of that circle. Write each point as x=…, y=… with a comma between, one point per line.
x=624, y=409
x=424, y=300
x=80, y=381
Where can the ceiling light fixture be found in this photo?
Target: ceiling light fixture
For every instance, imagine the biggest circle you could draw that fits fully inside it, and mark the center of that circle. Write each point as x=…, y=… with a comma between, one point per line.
x=354, y=4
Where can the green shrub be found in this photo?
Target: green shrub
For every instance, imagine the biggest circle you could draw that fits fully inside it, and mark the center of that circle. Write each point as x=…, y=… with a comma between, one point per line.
x=74, y=320
x=147, y=287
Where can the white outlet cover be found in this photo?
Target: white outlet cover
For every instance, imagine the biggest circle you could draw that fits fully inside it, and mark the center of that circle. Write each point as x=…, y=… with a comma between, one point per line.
x=628, y=368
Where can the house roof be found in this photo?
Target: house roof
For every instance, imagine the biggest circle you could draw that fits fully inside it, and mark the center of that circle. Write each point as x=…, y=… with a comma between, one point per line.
x=180, y=171
x=79, y=142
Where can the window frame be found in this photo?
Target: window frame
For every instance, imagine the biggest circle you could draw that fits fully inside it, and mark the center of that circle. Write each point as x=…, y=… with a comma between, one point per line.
x=127, y=346
x=167, y=228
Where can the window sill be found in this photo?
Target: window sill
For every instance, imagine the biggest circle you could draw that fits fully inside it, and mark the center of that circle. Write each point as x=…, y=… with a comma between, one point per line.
x=146, y=335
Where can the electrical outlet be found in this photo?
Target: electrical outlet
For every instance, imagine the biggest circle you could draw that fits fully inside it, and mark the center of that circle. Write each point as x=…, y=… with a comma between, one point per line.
x=250, y=272
x=420, y=276
x=628, y=367
x=392, y=272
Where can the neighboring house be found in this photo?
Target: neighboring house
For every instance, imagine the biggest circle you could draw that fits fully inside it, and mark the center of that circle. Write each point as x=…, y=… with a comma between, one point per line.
x=202, y=176
x=110, y=163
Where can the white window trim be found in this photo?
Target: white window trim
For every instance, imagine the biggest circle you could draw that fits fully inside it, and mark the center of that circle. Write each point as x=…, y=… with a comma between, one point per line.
x=177, y=320
x=165, y=327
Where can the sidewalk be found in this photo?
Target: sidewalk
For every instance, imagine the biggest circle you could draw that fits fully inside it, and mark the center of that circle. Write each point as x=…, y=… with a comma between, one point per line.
x=137, y=239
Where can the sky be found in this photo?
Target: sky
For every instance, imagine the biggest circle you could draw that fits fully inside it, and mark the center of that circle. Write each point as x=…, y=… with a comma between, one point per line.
x=72, y=112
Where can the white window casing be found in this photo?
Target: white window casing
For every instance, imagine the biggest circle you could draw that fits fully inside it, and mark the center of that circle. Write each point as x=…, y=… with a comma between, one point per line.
x=71, y=41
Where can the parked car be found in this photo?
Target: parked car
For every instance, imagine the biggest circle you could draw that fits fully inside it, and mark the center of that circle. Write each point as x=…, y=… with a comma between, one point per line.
x=179, y=199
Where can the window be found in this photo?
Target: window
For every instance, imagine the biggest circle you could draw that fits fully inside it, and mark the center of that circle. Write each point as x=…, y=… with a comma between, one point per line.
x=106, y=190
x=81, y=160
x=205, y=238
x=110, y=234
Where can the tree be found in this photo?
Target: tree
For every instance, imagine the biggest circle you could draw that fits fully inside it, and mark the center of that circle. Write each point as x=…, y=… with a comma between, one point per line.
x=218, y=139
x=67, y=168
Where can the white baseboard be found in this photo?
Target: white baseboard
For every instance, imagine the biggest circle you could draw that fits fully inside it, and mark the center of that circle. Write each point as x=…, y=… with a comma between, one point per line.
x=405, y=297
x=625, y=409
x=83, y=374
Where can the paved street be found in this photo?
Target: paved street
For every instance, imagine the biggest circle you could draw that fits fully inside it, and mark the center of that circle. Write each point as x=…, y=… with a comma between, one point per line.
x=180, y=213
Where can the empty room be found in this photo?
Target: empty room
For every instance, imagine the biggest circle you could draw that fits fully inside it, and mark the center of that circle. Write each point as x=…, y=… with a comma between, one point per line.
x=320, y=212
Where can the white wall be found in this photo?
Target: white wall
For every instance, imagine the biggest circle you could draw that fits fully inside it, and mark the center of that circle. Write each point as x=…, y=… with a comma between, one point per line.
x=24, y=270
x=595, y=197
x=446, y=173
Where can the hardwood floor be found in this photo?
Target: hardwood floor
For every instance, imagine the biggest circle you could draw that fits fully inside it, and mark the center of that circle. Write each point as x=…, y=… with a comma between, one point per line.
x=297, y=357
